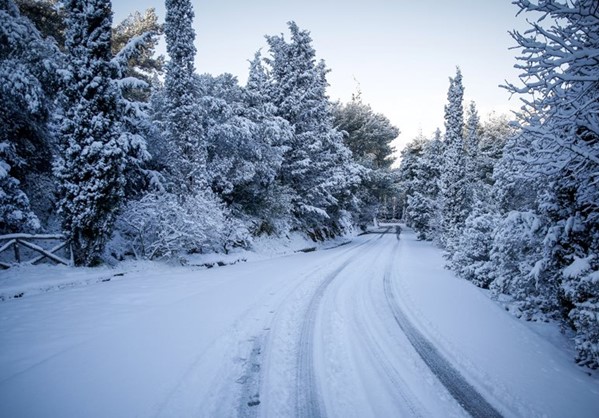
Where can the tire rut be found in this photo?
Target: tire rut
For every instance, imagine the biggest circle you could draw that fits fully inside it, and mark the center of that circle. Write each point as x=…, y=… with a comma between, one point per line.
x=309, y=402
x=383, y=364
x=455, y=383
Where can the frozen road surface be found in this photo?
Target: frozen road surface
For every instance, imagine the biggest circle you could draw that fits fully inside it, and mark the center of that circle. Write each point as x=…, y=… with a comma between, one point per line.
x=374, y=328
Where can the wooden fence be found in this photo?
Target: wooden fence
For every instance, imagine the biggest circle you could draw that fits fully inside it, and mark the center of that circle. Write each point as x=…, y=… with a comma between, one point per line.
x=17, y=240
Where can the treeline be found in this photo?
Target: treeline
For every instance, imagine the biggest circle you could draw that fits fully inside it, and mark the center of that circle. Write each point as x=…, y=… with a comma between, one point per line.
x=129, y=153
x=516, y=205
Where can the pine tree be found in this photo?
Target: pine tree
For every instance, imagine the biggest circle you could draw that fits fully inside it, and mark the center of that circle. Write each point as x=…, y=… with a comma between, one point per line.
x=133, y=45
x=139, y=34
x=453, y=194
x=472, y=258
x=48, y=17
x=410, y=168
x=471, y=148
x=93, y=155
x=317, y=166
x=368, y=135
x=244, y=144
x=265, y=198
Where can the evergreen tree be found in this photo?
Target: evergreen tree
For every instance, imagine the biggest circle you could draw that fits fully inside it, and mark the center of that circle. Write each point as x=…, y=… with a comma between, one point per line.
x=471, y=148
x=317, y=166
x=264, y=198
x=244, y=145
x=15, y=211
x=29, y=84
x=472, y=258
x=48, y=17
x=453, y=193
x=368, y=135
x=560, y=142
x=134, y=42
x=411, y=159
x=182, y=113
x=93, y=155
x=422, y=210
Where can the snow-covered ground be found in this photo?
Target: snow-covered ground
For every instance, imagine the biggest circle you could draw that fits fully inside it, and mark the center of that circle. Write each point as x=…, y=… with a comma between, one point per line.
x=372, y=328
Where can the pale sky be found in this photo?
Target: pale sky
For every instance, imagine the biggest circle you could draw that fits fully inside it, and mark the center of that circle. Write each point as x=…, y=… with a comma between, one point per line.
x=401, y=51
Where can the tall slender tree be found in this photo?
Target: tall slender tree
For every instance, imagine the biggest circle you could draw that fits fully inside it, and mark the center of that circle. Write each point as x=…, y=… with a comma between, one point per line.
x=453, y=193
x=182, y=114
x=92, y=149
x=422, y=210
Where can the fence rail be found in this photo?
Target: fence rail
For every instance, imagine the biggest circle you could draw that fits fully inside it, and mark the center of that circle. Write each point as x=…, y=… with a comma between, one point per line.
x=17, y=240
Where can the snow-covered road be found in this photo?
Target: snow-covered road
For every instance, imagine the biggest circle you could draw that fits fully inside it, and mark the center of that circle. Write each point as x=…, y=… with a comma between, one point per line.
x=375, y=328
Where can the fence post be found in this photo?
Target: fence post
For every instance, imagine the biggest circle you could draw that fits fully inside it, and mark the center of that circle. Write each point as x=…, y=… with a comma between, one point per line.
x=17, y=251
x=72, y=259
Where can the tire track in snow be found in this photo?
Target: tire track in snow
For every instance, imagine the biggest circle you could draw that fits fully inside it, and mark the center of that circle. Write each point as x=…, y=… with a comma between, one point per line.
x=250, y=392
x=381, y=358
x=459, y=388
x=252, y=378
x=257, y=360
x=309, y=402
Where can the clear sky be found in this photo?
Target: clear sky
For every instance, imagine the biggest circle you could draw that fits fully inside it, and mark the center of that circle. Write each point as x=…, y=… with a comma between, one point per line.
x=400, y=51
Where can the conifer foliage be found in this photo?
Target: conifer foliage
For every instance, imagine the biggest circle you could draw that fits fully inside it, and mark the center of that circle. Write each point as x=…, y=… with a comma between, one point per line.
x=182, y=124
x=92, y=150
x=28, y=84
x=519, y=206
x=453, y=187
x=561, y=125
x=317, y=166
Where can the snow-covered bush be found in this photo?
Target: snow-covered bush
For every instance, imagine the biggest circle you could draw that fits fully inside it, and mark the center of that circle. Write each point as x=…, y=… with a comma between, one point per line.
x=581, y=286
x=472, y=257
x=516, y=260
x=162, y=225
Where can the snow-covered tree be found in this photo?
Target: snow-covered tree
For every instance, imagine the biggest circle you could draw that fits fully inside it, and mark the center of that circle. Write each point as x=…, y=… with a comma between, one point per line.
x=317, y=165
x=472, y=258
x=368, y=135
x=134, y=42
x=28, y=87
x=15, y=210
x=515, y=267
x=182, y=124
x=47, y=15
x=422, y=208
x=92, y=149
x=471, y=148
x=453, y=186
x=496, y=131
x=410, y=168
x=244, y=142
x=560, y=128
x=264, y=198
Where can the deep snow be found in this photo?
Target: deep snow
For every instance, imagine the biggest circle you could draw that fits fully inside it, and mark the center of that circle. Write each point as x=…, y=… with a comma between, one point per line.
x=296, y=335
